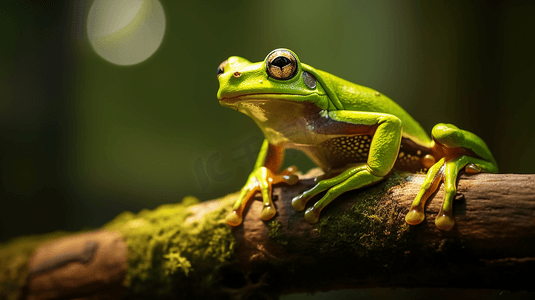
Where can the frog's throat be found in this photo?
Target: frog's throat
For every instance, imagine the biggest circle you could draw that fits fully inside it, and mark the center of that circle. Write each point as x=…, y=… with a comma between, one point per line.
x=283, y=122
x=333, y=98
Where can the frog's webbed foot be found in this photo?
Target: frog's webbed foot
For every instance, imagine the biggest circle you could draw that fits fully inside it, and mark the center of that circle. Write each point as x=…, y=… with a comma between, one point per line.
x=352, y=178
x=462, y=150
x=261, y=180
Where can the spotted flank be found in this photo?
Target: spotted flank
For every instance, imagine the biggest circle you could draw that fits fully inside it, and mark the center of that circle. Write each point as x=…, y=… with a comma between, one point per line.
x=355, y=149
x=410, y=156
x=352, y=149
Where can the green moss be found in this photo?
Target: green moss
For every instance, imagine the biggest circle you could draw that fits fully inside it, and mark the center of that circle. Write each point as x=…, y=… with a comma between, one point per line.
x=370, y=229
x=176, y=249
x=275, y=232
x=14, y=258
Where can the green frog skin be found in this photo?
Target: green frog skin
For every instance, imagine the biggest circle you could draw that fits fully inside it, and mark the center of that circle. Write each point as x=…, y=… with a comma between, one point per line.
x=355, y=134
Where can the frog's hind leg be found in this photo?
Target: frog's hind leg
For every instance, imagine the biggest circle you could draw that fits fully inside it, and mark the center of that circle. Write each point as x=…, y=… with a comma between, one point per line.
x=456, y=142
x=432, y=181
x=462, y=150
x=452, y=168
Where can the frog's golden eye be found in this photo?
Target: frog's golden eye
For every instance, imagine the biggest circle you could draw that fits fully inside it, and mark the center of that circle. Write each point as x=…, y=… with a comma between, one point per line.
x=221, y=68
x=281, y=64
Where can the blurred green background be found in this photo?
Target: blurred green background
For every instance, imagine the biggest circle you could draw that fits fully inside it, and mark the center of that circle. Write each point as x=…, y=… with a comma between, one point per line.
x=82, y=139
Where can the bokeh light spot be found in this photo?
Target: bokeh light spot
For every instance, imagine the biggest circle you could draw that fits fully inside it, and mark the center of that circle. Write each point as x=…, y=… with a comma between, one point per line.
x=126, y=32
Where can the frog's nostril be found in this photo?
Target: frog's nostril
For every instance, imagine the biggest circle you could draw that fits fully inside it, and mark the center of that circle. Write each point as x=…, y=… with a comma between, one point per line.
x=221, y=68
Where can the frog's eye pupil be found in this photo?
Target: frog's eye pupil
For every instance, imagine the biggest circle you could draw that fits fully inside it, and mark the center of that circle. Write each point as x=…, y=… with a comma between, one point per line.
x=281, y=64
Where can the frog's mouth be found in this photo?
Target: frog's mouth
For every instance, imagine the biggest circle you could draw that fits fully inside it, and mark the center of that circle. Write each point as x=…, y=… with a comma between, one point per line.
x=232, y=101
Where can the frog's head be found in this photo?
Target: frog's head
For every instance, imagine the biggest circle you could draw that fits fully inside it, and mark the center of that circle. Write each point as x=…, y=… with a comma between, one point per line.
x=280, y=77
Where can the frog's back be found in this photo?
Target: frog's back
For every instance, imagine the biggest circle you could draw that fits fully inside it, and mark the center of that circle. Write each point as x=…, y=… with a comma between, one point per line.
x=360, y=98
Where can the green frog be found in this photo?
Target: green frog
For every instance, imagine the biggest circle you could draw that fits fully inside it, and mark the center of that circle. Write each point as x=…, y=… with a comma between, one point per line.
x=355, y=134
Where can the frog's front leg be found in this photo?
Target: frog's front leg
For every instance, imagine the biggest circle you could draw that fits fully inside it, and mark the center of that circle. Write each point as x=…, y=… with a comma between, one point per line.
x=261, y=180
x=382, y=155
x=460, y=150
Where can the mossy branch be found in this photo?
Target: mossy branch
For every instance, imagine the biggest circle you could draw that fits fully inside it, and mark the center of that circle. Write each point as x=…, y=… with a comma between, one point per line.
x=186, y=250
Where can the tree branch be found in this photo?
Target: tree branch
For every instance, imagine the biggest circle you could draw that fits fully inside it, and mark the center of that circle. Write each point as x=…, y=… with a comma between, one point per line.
x=360, y=241
x=363, y=241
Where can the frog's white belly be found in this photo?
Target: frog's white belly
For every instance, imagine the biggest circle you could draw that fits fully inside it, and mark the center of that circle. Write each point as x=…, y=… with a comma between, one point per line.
x=288, y=123
x=303, y=126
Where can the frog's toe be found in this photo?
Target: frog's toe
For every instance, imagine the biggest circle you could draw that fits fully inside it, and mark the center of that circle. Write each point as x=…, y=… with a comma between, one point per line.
x=233, y=218
x=299, y=202
x=290, y=170
x=268, y=212
x=290, y=179
x=415, y=216
x=444, y=221
x=289, y=175
x=312, y=216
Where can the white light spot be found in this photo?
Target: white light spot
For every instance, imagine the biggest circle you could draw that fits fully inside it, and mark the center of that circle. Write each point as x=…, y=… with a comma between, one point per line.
x=126, y=32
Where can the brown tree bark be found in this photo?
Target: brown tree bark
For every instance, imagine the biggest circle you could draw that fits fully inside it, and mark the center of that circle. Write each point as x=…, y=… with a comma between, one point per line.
x=492, y=244
x=360, y=241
